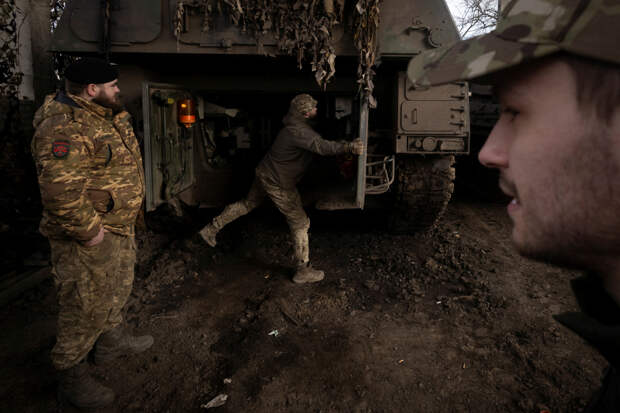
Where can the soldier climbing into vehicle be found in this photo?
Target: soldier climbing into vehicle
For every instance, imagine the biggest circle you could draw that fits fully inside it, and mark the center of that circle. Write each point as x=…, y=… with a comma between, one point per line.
x=277, y=176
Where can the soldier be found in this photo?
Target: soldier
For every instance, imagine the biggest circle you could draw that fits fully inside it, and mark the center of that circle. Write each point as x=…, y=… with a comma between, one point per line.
x=555, y=65
x=277, y=175
x=91, y=179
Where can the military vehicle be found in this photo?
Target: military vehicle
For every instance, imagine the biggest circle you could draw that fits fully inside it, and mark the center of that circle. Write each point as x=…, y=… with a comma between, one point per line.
x=208, y=82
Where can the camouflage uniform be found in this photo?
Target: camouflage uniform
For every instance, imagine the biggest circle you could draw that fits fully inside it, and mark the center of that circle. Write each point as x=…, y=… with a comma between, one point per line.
x=529, y=30
x=90, y=175
x=281, y=169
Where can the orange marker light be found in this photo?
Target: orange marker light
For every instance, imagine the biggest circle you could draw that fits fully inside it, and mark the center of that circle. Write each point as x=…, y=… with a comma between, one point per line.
x=187, y=115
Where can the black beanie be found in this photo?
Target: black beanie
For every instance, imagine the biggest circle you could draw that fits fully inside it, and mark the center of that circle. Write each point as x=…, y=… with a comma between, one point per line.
x=91, y=70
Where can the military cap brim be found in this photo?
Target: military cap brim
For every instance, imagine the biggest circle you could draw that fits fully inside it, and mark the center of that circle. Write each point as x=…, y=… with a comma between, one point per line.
x=527, y=30
x=470, y=59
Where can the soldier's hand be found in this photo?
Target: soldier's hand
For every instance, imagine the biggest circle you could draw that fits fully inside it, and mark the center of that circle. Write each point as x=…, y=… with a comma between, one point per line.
x=357, y=147
x=96, y=239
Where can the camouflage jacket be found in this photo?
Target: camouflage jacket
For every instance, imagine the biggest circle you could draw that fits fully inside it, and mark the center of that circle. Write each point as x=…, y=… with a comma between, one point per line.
x=292, y=151
x=89, y=168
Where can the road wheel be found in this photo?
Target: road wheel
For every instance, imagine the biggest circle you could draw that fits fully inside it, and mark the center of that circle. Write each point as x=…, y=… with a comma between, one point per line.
x=423, y=187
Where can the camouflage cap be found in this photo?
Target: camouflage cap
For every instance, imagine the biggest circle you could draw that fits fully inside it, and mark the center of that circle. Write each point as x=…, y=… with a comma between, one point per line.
x=527, y=29
x=303, y=103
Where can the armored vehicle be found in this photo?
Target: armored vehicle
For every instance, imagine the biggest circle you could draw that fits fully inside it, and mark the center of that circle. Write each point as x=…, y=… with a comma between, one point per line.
x=208, y=82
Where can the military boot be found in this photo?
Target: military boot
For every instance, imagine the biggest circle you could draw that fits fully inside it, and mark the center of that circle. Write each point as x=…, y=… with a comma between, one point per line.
x=118, y=342
x=208, y=233
x=81, y=390
x=306, y=274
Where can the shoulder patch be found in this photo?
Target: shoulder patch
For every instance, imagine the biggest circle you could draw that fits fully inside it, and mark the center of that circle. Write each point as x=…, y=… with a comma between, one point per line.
x=60, y=149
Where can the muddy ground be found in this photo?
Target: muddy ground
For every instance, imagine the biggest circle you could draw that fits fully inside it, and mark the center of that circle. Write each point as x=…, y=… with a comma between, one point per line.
x=453, y=321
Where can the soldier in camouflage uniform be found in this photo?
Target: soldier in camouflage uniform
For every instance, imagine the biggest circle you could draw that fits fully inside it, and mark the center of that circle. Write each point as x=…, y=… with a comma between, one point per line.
x=277, y=175
x=92, y=186
x=555, y=65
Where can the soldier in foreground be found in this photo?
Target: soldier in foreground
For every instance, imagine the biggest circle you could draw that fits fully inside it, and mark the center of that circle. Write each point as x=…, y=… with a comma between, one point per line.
x=277, y=176
x=555, y=65
x=91, y=179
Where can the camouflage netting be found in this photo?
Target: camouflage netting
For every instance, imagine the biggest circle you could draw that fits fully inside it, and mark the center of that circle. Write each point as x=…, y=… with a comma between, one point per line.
x=302, y=29
x=56, y=9
x=10, y=77
x=365, y=37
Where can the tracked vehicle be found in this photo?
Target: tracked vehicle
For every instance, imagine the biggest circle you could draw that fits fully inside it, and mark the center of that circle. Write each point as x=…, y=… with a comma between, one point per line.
x=208, y=83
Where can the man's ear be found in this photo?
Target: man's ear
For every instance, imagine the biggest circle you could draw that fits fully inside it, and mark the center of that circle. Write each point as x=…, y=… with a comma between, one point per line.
x=92, y=90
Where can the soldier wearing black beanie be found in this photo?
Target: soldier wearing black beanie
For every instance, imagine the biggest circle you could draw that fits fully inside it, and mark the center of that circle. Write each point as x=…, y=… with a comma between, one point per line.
x=92, y=79
x=92, y=185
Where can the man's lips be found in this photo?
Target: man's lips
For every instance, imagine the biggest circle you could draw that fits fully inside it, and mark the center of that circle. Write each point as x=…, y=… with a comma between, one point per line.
x=509, y=189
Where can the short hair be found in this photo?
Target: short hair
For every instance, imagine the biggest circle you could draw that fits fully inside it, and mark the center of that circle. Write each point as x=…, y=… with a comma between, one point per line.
x=74, y=88
x=598, y=84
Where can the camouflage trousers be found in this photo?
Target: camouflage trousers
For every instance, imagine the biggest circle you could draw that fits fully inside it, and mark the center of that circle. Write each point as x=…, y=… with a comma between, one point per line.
x=93, y=284
x=288, y=201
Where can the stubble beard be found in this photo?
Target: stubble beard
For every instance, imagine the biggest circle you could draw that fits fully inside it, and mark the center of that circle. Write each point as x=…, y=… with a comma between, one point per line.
x=582, y=225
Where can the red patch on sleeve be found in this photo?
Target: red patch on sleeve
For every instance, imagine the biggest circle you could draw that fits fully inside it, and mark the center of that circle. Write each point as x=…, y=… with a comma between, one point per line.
x=60, y=149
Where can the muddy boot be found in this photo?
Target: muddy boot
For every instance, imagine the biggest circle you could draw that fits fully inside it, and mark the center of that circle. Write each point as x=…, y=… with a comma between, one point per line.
x=81, y=390
x=208, y=233
x=117, y=342
x=306, y=274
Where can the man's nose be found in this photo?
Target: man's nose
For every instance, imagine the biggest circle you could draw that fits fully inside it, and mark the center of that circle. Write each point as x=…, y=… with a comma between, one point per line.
x=494, y=153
